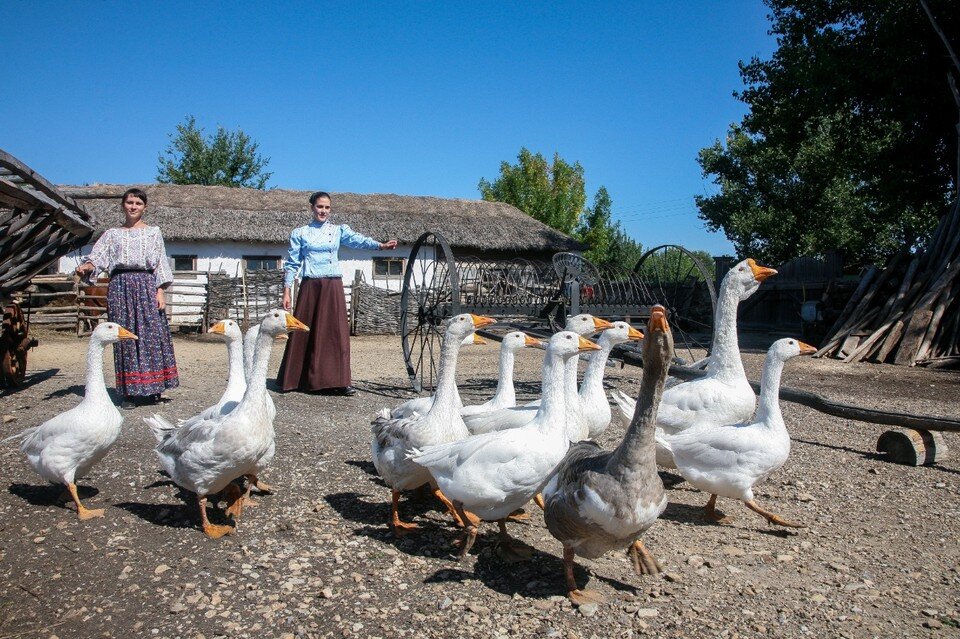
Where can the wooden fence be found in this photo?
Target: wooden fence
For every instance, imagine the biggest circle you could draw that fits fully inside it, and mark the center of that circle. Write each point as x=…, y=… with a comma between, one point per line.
x=195, y=300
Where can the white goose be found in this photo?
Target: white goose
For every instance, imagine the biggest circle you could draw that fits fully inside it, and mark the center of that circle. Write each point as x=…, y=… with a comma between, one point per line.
x=236, y=379
x=507, y=418
x=597, y=500
x=249, y=348
x=65, y=447
x=493, y=474
x=393, y=437
x=205, y=457
x=724, y=395
x=506, y=395
x=420, y=405
x=594, y=408
x=728, y=460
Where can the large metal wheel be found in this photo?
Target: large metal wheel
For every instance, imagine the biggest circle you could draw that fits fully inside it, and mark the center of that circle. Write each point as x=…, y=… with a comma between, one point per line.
x=431, y=294
x=14, y=344
x=680, y=281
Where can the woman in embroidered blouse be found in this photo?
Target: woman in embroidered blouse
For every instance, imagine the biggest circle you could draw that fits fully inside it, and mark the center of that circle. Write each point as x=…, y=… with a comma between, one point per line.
x=136, y=259
x=320, y=360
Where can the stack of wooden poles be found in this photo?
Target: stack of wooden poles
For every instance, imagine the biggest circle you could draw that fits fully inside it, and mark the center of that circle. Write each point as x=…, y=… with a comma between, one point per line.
x=909, y=312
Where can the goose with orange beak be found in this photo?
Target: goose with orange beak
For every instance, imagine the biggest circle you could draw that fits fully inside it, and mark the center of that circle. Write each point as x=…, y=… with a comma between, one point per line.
x=393, y=437
x=598, y=500
x=729, y=460
x=493, y=474
x=724, y=394
x=206, y=456
x=65, y=447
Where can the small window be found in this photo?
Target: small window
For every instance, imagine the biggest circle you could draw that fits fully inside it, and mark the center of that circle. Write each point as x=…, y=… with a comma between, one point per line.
x=261, y=262
x=184, y=262
x=390, y=268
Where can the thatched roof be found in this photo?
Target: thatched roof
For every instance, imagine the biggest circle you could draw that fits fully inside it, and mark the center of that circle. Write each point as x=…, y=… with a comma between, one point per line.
x=194, y=213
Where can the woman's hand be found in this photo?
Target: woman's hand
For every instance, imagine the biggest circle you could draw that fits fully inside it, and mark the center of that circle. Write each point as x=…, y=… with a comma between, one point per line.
x=84, y=268
x=286, y=300
x=161, y=300
x=389, y=244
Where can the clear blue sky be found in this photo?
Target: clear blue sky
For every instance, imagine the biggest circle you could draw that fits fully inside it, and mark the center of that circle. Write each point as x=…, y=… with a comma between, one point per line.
x=419, y=98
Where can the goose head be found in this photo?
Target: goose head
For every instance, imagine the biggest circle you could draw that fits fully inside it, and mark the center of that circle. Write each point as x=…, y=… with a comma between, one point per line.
x=619, y=333
x=460, y=327
x=586, y=324
x=111, y=332
x=566, y=344
x=788, y=348
x=515, y=340
x=279, y=322
x=229, y=329
x=658, y=341
x=745, y=277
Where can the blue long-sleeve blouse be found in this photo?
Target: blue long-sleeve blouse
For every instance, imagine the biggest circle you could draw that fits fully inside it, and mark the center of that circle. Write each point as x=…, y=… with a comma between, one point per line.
x=314, y=247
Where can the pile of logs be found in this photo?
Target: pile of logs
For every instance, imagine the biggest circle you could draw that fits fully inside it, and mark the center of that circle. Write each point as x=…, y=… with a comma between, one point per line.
x=909, y=312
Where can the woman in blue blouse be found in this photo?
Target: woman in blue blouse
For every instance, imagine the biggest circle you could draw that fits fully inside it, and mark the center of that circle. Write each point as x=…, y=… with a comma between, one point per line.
x=320, y=360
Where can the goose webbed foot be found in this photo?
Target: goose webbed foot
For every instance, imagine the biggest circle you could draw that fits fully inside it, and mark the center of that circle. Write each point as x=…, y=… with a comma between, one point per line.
x=715, y=515
x=400, y=528
x=83, y=513
x=213, y=531
x=261, y=486
x=644, y=562
x=510, y=549
x=577, y=596
x=774, y=519
x=471, y=531
x=519, y=515
x=235, y=500
x=581, y=597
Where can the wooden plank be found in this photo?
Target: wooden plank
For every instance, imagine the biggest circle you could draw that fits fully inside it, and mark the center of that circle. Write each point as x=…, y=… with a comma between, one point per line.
x=865, y=280
x=16, y=167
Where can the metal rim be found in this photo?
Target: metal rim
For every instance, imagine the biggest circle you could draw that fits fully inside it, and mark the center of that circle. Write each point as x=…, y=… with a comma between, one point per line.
x=431, y=294
x=668, y=271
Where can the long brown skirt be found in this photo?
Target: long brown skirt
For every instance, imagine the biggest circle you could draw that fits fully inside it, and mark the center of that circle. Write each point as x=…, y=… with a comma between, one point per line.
x=320, y=358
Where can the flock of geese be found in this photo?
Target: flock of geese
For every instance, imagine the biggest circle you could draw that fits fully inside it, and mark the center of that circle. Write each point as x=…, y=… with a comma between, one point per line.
x=485, y=462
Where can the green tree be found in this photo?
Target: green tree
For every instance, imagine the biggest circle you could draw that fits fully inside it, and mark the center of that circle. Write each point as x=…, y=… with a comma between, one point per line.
x=595, y=229
x=225, y=158
x=624, y=251
x=849, y=141
x=552, y=193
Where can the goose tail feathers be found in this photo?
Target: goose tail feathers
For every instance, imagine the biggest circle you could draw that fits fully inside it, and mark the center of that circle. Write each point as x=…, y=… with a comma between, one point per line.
x=19, y=436
x=160, y=427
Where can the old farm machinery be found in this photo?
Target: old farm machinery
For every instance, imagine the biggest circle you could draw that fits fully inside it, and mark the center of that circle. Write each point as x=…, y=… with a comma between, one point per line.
x=39, y=224
x=536, y=296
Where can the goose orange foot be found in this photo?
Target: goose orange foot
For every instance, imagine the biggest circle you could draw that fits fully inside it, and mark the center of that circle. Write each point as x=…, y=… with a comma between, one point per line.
x=83, y=513
x=518, y=515
x=644, y=563
x=774, y=519
x=235, y=501
x=582, y=597
x=715, y=515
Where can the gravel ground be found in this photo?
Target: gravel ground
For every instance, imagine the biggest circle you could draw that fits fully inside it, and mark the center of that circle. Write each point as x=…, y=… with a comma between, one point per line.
x=880, y=557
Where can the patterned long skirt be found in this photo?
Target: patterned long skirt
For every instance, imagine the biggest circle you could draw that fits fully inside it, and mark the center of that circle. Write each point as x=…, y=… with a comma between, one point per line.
x=319, y=359
x=144, y=366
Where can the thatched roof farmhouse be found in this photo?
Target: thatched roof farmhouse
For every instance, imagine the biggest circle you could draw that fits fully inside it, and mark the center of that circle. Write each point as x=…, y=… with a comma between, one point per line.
x=192, y=213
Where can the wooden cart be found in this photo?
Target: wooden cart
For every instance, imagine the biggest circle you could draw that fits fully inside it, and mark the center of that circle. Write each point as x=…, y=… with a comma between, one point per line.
x=38, y=225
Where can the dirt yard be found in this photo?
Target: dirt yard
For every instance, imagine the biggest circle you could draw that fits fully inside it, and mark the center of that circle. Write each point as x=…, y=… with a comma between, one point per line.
x=880, y=558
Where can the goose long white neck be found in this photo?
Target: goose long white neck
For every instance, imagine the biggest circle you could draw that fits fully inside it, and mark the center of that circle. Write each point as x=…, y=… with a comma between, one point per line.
x=256, y=392
x=506, y=395
x=249, y=350
x=552, y=412
x=236, y=377
x=596, y=366
x=446, y=399
x=769, y=410
x=96, y=387
x=725, y=359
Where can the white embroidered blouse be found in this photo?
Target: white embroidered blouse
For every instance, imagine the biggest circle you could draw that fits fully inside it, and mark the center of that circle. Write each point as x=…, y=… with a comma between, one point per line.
x=136, y=248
